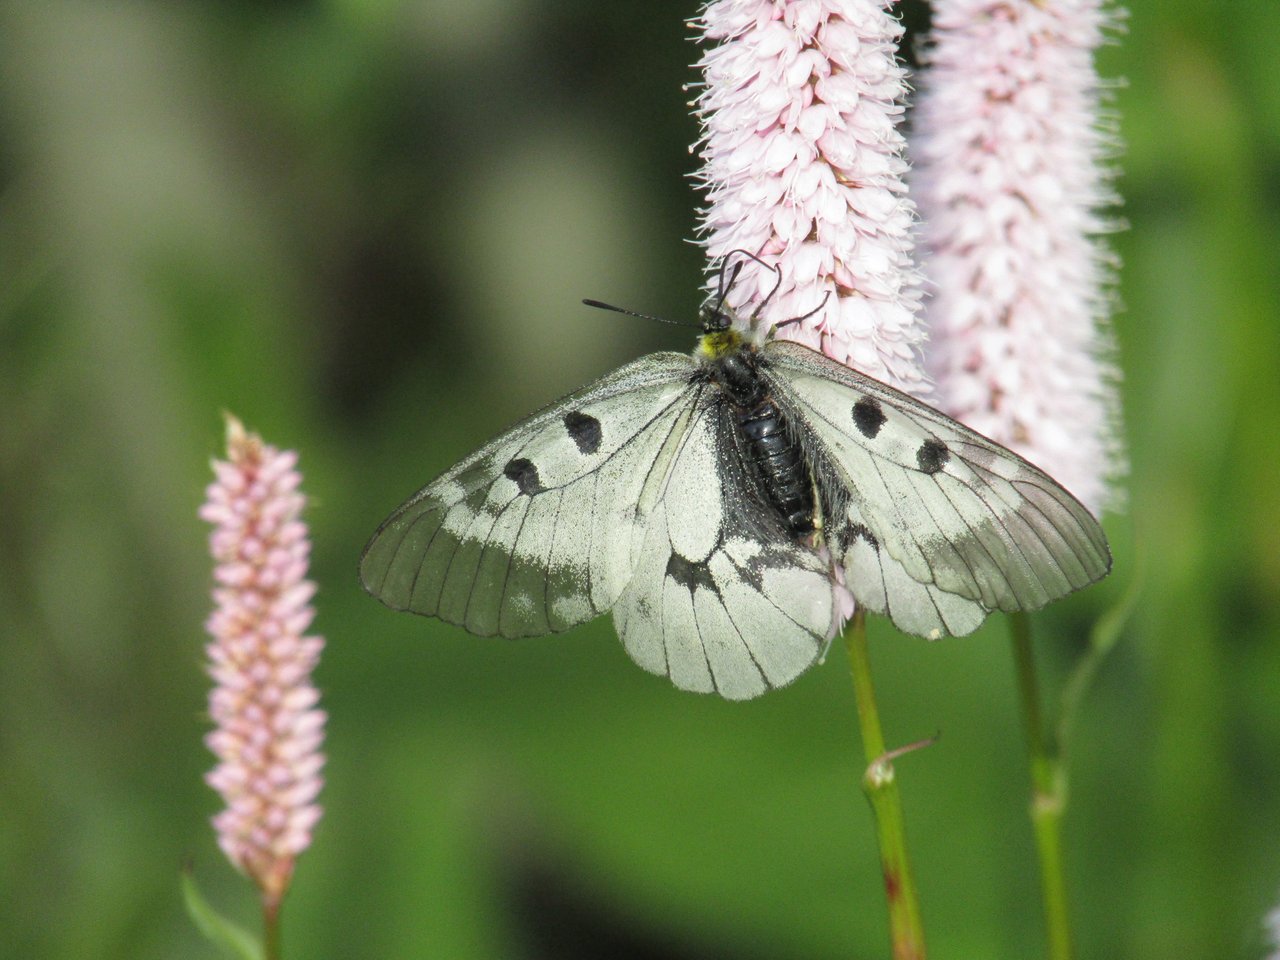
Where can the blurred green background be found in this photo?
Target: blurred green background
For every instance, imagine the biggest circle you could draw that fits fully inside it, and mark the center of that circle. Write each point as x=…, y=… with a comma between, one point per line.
x=364, y=227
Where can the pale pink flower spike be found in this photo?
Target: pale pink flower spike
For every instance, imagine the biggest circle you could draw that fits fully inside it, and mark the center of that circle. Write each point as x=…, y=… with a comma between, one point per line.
x=1011, y=173
x=268, y=731
x=803, y=166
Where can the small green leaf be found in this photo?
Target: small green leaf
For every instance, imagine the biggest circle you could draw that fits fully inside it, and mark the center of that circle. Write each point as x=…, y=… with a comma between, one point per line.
x=232, y=939
x=1106, y=631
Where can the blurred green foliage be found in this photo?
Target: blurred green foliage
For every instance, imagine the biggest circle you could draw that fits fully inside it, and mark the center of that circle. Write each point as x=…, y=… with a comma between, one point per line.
x=364, y=227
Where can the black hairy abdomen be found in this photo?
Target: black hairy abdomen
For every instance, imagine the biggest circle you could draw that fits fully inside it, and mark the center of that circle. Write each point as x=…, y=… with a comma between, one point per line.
x=769, y=450
x=778, y=463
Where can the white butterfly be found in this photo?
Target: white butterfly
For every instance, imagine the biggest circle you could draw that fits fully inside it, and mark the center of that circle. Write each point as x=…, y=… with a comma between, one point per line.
x=707, y=500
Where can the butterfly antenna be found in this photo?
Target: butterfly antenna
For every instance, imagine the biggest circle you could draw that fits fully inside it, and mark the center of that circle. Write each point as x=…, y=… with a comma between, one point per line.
x=737, y=269
x=774, y=289
x=724, y=286
x=806, y=316
x=633, y=313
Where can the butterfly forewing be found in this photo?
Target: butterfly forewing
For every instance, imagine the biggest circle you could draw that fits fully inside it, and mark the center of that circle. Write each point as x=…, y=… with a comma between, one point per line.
x=951, y=509
x=533, y=533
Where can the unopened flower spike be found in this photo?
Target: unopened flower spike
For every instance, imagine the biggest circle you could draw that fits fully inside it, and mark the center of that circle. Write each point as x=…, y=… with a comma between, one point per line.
x=268, y=731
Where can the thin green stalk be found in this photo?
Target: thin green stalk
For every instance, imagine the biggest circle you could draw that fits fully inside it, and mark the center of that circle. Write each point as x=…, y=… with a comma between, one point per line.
x=271, y=928
x=906, y=932
x=1048, y=794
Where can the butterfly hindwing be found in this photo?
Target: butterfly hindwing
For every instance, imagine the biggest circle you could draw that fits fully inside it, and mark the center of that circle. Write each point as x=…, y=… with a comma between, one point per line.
x=879, y=583
x=942, y=504
x=534, y=532
x=722, y=598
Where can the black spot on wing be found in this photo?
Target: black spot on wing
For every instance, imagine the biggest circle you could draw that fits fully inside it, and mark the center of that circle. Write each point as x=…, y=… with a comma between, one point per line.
x=858, y=531
x=584, y=429
x=690, y=575
x=932, y=455
x=868, y=417
x=525, y=476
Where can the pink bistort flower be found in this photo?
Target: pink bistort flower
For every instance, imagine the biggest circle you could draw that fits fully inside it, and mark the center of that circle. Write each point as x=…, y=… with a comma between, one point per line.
x=802, y=163
x=268, y=731
x=1011, y=173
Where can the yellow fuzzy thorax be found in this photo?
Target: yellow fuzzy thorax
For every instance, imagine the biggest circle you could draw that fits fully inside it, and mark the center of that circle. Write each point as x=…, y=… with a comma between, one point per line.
x=719, y=343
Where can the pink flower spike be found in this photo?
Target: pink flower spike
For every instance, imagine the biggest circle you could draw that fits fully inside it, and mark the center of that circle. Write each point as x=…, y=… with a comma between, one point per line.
x=268, y=733
x=802, y=164
x=1011, y=176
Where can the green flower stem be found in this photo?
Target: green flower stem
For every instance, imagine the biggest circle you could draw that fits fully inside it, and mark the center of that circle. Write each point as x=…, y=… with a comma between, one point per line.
x=1048, y=794
x=271, y=927
x=906, y=932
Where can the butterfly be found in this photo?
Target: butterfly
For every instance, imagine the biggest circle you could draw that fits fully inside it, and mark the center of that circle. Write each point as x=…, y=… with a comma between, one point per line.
x=719, y=503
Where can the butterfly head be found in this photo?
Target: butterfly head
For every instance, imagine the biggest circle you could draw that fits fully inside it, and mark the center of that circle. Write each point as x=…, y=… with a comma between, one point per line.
x=720, y=331
x=726, y=330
